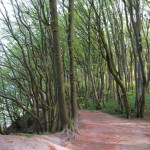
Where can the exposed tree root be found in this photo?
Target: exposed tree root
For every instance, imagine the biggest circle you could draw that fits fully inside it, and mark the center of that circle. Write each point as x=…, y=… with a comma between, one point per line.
x=70, y=132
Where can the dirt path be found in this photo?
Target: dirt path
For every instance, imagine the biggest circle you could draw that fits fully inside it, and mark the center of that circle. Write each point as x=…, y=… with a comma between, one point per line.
x=98, y=131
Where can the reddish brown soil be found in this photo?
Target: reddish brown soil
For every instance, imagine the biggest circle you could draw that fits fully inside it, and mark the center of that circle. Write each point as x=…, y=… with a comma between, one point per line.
x=98, y=131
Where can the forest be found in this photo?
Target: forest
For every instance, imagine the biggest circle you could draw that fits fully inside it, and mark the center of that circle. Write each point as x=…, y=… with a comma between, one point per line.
x=58, y=57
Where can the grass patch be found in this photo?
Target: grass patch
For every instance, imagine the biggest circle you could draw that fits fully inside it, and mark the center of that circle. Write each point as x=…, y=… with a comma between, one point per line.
x=45, y=133
x=27, y=135
x=30, y=135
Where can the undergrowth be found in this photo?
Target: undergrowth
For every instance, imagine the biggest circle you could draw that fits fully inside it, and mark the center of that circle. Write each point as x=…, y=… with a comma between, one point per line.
x=110, y=106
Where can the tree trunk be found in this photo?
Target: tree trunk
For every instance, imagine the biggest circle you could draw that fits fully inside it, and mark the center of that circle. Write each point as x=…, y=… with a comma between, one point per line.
x=59, y=66
x=74, y=108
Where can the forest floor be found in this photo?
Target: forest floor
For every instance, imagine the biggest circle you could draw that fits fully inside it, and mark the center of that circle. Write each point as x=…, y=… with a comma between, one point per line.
x=97, y=131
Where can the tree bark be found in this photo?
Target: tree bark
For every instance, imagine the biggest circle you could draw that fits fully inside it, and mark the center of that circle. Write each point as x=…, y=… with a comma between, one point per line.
x=59, y=65
x=74, y=108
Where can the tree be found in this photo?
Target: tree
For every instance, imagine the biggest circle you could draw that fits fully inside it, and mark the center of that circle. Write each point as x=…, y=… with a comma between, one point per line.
x=74, y=109
x=59, y=67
